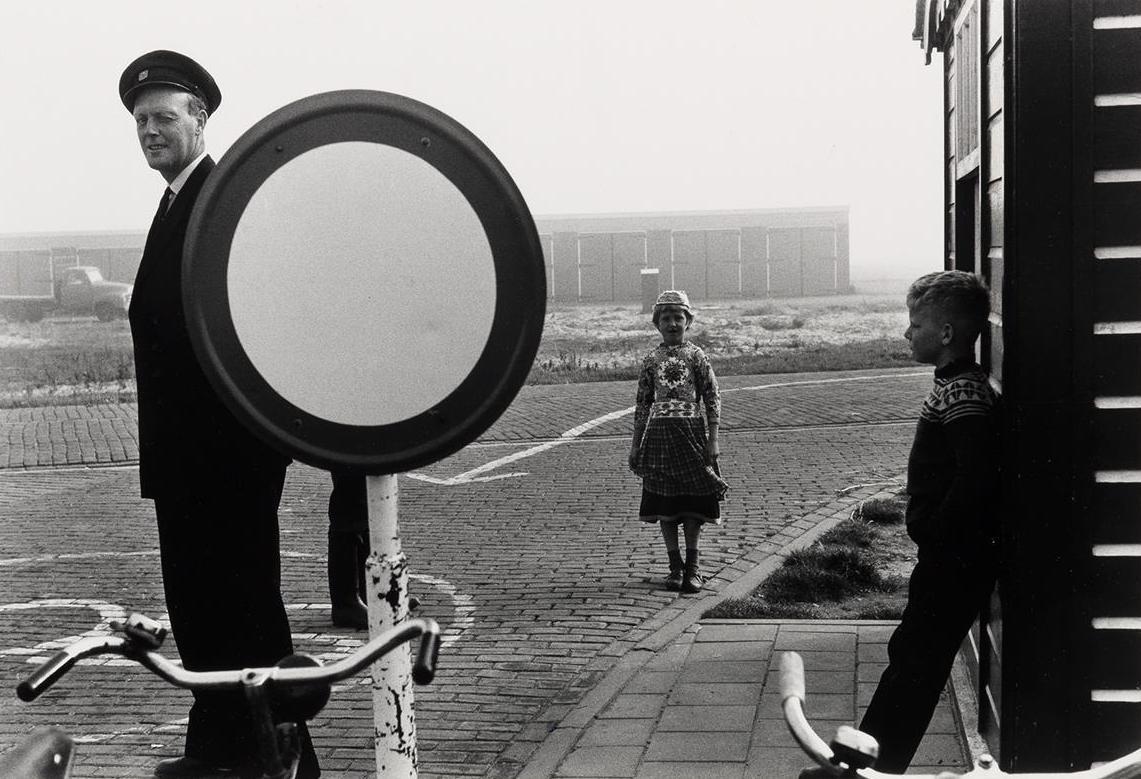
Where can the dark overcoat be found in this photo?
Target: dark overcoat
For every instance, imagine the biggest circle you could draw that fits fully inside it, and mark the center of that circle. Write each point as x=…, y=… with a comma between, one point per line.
x=187, y=437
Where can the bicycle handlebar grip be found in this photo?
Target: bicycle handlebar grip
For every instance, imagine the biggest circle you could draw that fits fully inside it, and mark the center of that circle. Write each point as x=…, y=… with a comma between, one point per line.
x=45, y=676
x=791, y=676
x=424, y=669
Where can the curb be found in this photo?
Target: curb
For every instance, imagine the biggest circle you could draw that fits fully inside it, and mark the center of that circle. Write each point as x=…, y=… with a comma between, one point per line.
x=544, y=761
x=966, y=707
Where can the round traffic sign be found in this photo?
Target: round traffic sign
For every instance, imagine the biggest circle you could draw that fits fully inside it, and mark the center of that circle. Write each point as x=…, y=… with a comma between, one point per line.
x=363, y=282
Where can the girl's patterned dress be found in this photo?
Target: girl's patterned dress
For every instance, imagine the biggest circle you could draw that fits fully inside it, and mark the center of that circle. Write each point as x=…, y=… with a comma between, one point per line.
x=677, y=483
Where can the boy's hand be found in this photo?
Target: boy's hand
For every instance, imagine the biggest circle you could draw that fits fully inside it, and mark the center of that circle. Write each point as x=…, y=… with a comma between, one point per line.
x=633, y=458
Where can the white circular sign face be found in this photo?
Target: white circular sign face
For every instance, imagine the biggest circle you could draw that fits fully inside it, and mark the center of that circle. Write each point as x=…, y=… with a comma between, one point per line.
x=361, y=283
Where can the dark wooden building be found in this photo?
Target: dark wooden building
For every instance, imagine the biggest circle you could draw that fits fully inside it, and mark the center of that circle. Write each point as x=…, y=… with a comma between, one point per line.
x=710, y=254
x=1042, y=109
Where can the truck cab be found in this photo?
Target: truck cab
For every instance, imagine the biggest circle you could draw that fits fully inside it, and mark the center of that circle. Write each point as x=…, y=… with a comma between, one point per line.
x=83, y=290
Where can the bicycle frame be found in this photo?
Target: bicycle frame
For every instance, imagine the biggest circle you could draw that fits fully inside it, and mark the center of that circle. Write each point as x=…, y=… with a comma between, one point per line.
x=143, y=636
x=855, y=750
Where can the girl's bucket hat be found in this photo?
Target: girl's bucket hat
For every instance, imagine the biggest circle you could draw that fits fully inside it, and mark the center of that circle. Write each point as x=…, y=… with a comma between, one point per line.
x=675, y=298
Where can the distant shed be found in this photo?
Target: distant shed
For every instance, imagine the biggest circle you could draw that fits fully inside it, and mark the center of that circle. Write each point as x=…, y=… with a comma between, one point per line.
x=710, y=254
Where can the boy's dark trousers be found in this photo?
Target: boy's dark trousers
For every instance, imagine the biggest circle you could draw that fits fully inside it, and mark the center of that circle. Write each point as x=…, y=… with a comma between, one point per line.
x=944, y=597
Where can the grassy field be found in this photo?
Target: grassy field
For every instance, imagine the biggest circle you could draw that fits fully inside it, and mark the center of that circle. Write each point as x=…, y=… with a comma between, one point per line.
x=65, y=360
x=80, y=360
x=603, y=342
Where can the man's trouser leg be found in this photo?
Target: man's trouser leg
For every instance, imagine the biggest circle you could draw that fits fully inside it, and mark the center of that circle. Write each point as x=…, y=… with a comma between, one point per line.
x=222, y=578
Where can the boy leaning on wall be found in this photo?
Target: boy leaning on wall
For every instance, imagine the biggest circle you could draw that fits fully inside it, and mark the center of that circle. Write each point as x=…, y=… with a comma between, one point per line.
x=952, y=484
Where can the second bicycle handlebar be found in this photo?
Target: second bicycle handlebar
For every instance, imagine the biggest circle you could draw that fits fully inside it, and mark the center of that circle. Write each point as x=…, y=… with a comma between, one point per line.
x=423, y=669
x=854, y=744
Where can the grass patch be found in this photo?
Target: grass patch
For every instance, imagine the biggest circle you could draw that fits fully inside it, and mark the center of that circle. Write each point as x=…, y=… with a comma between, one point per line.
x=54, y=375
x=881, y=511
x=828, y=572
x=575, y=368
x=572, y=367
x=878, y=353
x=857, y=570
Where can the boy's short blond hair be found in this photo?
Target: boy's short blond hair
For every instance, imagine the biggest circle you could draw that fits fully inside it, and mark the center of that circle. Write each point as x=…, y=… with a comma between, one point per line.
x=962, y=297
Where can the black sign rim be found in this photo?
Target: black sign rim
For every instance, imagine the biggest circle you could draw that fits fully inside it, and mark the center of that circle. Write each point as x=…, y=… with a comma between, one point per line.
x=520, y=280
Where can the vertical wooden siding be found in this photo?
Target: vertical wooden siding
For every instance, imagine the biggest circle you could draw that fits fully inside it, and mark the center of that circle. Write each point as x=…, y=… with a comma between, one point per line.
x=1045, y=580
x=967, y=85
x=974, y=235
x=1112, y=340
x=988, y=635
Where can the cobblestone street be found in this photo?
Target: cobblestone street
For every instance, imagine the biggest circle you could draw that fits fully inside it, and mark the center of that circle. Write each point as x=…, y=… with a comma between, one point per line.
x=523, y=546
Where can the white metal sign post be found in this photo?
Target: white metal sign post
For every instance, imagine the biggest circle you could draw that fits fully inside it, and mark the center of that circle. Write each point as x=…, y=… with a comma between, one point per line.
x=365, y=289
x=387, y=575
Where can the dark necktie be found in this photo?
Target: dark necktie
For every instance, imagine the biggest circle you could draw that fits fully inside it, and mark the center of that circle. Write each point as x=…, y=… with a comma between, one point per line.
x=163, y=202
x=167, y=199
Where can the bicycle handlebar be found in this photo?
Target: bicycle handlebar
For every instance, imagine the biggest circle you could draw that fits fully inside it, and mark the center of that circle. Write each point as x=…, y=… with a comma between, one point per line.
x=792, y=695
x=423, y=670
x=56, y=666
x=792, y=703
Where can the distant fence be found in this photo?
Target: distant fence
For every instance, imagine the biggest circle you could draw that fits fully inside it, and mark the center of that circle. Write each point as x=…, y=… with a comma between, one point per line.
x=755, y=260
x=709, y=254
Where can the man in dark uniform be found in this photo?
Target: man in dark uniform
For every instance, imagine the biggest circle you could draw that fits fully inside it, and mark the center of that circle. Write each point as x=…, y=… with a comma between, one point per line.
x=215, y=486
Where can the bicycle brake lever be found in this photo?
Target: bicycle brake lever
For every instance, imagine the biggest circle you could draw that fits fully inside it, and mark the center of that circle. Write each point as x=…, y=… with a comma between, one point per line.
x=853, y=748
x=143, y=630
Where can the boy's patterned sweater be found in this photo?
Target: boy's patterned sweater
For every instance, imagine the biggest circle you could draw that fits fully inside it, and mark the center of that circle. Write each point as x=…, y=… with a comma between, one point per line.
x=952, y=473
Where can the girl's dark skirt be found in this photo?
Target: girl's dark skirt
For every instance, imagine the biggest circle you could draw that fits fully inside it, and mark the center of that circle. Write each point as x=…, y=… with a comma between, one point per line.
x=675, y=508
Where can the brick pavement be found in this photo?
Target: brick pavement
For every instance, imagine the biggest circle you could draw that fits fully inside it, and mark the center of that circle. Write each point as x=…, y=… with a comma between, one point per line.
x=708, y=705
x=107, y=434
x=542, y=581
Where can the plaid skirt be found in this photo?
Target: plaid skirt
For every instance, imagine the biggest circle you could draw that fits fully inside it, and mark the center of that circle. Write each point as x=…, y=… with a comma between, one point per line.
x=671, y=462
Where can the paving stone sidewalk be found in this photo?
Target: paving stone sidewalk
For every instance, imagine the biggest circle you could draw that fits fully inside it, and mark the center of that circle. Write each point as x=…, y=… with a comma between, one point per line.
x=709, y=706
x=701, y=698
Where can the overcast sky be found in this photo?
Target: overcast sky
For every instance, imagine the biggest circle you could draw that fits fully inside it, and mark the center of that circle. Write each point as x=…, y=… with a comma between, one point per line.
x=593, y=107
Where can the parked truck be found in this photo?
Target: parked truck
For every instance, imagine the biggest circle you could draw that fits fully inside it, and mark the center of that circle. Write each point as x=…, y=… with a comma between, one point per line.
x=32, y=286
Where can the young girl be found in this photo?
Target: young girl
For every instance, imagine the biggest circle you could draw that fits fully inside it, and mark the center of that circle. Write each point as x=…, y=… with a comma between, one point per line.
x=673, y=450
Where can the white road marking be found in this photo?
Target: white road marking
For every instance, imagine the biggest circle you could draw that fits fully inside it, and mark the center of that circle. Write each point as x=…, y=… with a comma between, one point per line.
x=108, y=612
x=570, y=435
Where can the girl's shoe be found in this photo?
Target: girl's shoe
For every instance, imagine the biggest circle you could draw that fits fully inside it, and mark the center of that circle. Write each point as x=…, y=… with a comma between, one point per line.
x=673, y=581
x=691, y=580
